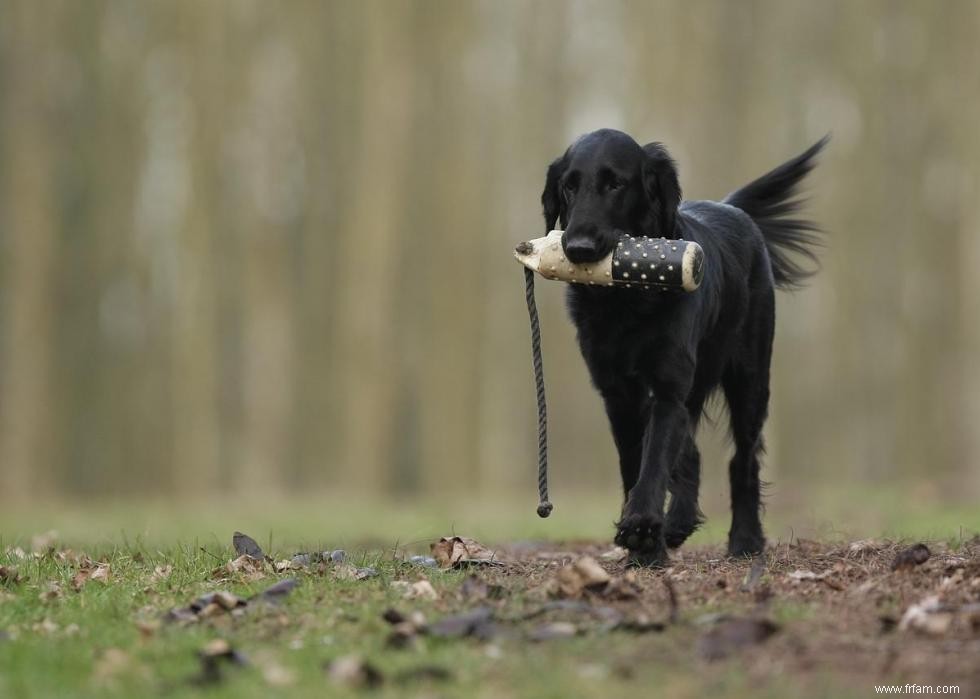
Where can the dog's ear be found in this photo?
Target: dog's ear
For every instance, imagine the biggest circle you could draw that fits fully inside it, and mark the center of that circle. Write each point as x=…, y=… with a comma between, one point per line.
x=662, y=186
x=551, y=196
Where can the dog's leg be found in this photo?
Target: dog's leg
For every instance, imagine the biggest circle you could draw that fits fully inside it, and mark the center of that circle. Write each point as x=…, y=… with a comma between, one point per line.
x=747, y=401
x=626, y=408
x=641, y=528
x=747, y=393
x=684, y=516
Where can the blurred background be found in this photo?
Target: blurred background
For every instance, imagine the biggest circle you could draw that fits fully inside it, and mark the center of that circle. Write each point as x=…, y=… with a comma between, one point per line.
x=262, y=250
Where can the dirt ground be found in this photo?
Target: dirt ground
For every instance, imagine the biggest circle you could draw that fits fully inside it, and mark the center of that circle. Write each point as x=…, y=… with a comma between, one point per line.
x=867, y=612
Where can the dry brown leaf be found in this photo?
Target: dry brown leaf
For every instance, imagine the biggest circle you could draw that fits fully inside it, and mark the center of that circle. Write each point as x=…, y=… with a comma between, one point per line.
x=246, y=546
x=98, y=572
x=615, y=554
x=148, y=627
x=9, y=575
x=354, y=671
x=161, y=573
x=623, y=587
x=80, y=578
x=461, y=551
x=227, y=600
x=731, y=635
x=51, y=592
x=421, y=589
x=801, y=575
x=46, y=627
x=865, y=546
x=583, y=574
x=477, y=623
x=101, y=573
x=911, y=557
x=930, y=617
x=251, y=569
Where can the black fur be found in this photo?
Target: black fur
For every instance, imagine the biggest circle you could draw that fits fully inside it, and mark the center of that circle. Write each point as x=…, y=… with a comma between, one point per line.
x=656, y=357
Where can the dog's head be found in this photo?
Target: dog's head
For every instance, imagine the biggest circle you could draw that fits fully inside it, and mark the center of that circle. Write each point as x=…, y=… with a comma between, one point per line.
x=606, y=185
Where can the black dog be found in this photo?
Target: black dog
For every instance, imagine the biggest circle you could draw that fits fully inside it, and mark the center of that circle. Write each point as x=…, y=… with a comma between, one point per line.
x=655, y=357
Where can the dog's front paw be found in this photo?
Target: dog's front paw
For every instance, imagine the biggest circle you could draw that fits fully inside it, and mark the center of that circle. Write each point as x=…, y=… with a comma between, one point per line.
x=742, y=543
x=682, y=521
x=643, y=536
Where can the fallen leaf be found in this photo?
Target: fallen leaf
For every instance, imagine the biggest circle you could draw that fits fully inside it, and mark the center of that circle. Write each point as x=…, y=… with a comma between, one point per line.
x=583, y=574
x=477, y=623
x=393, y=616
x=865, y=546
x=207, y=606
x=623, y=587
x=930, y=617
x=101, y=573
x=80, y=578
x=279, y=590
x=226, y=600
x=354, y=671
x=160, y=573
x=250, y=568
x=246, y=546
x=459, y=552
x=213, y=655
x=421, y=589
x=800, y=575
x=46, y=627
x=911, y=557
x=732, y=635
x=9, y=576
x=345, y=571
x=307, y=559
x=148, y=627
x=615, y=554
x=424, y=561
x=51, y=592
x=336, y=556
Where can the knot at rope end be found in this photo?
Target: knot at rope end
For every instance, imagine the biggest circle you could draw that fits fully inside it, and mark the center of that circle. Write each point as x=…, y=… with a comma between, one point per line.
x=544, y=509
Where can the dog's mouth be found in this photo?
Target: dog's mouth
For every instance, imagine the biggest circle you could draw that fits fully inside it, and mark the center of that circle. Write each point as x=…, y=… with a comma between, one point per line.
x=588, y=250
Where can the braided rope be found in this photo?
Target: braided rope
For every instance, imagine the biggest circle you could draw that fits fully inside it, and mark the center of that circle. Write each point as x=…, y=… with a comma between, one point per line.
x=544, y=506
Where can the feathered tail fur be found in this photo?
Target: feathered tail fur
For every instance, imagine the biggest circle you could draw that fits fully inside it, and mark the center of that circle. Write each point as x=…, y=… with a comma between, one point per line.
x=770, y=201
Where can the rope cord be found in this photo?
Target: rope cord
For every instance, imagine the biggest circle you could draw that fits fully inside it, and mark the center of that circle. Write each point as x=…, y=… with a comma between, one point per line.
x=544, y=506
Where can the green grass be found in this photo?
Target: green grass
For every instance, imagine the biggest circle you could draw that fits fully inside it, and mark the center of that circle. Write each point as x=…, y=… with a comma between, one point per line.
x=57, y=648
x=324, y=618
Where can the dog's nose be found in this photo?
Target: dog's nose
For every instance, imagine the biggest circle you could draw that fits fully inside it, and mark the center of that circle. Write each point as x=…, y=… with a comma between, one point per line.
x=580, y=250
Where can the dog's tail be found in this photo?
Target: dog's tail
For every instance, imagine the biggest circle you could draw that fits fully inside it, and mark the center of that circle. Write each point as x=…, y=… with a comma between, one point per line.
x=770, y=202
